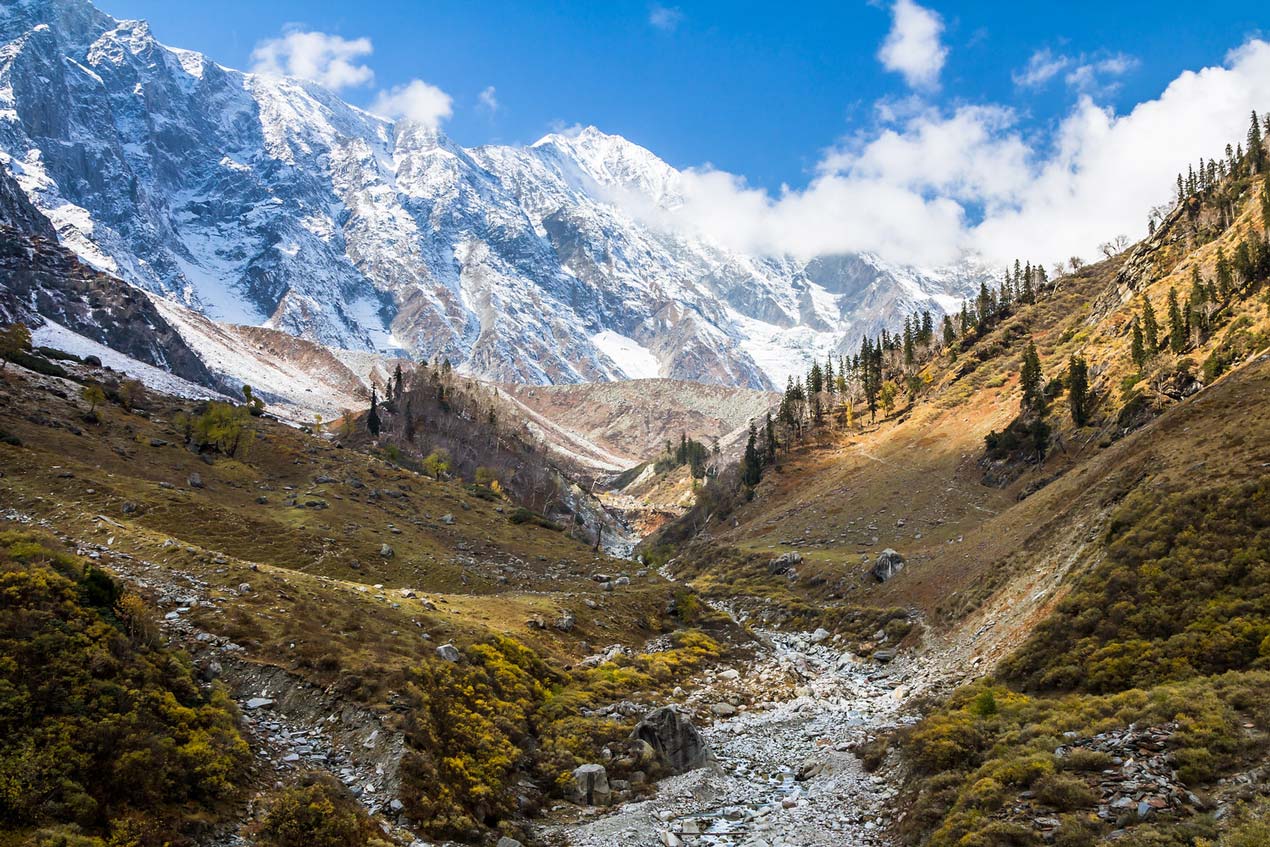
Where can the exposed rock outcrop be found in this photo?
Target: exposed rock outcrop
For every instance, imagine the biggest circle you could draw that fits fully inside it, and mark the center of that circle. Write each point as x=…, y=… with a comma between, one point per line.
x=678, y=744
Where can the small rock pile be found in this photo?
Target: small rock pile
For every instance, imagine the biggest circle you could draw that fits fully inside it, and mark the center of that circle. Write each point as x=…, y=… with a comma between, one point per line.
x=1141, y=781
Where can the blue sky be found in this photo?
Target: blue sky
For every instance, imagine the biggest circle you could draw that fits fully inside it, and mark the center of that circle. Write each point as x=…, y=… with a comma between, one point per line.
x=757, y=89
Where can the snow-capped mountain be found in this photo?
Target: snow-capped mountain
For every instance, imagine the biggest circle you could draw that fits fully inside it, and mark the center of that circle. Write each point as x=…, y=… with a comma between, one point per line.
x=269, y=201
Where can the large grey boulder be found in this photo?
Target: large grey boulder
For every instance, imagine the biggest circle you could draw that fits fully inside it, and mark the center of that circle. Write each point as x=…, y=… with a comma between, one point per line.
x=784, y=563
x=591, y=785
x=889, y=563
x=678, y=744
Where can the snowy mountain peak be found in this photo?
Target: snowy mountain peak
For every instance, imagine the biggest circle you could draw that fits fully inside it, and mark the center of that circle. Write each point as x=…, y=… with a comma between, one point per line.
x=268, y=200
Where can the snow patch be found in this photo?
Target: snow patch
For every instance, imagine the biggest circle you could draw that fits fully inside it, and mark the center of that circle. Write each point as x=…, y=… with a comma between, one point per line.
x=53, y=334
x=635, y=360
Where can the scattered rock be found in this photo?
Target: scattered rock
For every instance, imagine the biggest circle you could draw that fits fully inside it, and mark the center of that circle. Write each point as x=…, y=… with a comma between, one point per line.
x=386, y=551
x=258, y=703
x=447, y=519
x=449, y=653
x=195, y=480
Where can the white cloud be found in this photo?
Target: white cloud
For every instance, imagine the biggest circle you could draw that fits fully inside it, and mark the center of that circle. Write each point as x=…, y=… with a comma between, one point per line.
x=1095, y=75
x=665, y=18
x=488, y=99
x=415, y=101
x=912, y=47
x=329, y=60
x=942, y=183
x=1042, y=66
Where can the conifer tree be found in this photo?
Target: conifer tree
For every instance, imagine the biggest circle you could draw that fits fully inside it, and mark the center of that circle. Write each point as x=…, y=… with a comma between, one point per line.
x=1078, y=389
x=1177, y=329
x=1256, y=150
x=1137, y=352
x=372, y=419
x=751, y=469
x=1030, y=378
x=769, y=442
x=1150, y=327
x=1225, y=280
x=950, y=335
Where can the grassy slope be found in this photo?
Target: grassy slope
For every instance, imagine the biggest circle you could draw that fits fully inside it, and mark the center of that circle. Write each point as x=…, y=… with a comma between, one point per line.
x=1056, y=553
x=351, y=631
x=922, y=466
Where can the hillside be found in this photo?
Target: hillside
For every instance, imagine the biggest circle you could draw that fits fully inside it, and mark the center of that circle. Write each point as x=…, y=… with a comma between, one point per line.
x=1114, y=565
x=317, y=579
x=634, y=420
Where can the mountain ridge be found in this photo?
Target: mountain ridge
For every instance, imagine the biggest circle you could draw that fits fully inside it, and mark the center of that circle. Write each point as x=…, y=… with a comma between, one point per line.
x=269, y=201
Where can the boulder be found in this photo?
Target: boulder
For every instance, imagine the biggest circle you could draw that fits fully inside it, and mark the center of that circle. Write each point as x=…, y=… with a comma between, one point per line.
x=678, y=744
x=566, y=622
x=888, y=564
x=887, y=654
x=386, y=551
x=448, y=653
x=784, y=563
x=820, y=635
x=507, y=842
x=591, y=785
x=447, y=519
x=195, y=481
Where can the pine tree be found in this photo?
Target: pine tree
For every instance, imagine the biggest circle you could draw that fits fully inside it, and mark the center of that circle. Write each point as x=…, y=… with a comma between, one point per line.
x=1256, y=150
x=372, y=419
x=1150, y=328
x=751, y=469
x=770, y=444
x=1138, y=353
x=1078, y=389
x=950, y=335
x=1030, y=377
x=396, y=385
x=1225, y=279
x=1177, y=329
x=1197, y=306
x=909, y=353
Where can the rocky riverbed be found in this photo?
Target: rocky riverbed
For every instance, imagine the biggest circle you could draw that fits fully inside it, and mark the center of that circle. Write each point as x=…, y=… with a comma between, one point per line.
x=784, y=771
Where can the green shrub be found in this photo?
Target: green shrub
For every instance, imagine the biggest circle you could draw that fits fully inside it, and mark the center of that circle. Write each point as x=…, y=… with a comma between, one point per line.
x=318, y=812
x=98, y=728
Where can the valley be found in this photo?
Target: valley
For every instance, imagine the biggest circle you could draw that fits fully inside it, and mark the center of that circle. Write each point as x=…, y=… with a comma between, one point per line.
x=359, y=488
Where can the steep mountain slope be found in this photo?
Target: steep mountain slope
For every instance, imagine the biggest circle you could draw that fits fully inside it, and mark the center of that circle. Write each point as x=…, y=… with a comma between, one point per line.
x=1106, y=575
x=260, y=200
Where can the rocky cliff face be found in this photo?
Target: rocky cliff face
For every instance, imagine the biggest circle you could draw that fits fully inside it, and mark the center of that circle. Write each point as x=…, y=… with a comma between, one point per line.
x=269, y=201
x=40, y=280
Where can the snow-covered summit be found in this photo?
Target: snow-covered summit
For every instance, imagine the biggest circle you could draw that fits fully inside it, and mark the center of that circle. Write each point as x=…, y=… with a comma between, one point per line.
x=267, y=200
